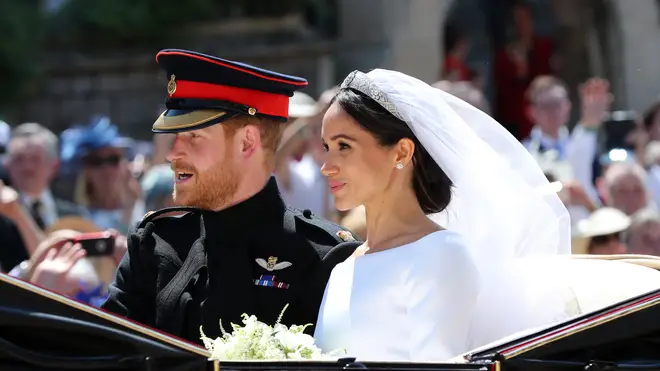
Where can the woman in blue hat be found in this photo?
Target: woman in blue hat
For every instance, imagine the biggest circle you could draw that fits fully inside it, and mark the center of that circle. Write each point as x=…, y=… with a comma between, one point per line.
x=105, y=184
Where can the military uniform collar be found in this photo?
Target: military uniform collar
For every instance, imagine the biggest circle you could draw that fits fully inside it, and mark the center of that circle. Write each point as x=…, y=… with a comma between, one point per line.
x=266, y=204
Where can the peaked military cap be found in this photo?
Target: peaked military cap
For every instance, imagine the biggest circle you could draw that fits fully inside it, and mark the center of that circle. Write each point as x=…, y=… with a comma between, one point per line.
x=203, y=90
x=41, y=330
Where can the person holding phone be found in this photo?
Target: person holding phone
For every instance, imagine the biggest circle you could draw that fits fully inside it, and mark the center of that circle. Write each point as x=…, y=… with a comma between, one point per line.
x=234, y=246
x=74, y=264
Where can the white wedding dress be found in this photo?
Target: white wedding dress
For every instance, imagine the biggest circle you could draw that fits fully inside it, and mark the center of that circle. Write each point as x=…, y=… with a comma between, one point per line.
x=410, y=303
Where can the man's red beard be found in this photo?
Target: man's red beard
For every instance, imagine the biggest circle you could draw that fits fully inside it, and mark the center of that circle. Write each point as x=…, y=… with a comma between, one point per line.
x=212, y=189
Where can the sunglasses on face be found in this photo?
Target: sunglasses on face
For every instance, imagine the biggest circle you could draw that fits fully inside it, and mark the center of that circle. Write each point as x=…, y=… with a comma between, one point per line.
x=98, y=161
x=601, y=240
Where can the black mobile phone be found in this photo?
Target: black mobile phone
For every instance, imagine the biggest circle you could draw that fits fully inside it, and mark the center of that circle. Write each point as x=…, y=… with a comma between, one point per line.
x=616, y=129
x=96, y=244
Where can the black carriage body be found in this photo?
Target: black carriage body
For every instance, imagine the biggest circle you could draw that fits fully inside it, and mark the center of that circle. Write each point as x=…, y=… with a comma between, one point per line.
x=624, y=336
x=40, y=330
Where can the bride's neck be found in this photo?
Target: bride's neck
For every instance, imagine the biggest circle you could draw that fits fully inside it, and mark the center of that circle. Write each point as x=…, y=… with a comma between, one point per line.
x=395, y=220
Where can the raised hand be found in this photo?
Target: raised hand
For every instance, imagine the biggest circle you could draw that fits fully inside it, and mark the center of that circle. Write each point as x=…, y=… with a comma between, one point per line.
x=8, y=200
x=595, y=99
x=52, y=272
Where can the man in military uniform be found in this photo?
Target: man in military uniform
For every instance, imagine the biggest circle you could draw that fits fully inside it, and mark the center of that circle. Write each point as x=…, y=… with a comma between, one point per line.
x=239, y=248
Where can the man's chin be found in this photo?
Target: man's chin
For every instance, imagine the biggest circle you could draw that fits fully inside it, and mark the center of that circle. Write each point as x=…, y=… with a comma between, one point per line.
x=180, y=199
x=183, y=201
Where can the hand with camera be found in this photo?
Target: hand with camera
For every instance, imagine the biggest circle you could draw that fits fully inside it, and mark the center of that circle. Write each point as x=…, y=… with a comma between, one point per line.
x=51, y=269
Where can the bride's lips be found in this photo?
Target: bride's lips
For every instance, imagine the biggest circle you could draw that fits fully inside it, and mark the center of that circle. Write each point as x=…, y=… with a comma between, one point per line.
x=336, y=185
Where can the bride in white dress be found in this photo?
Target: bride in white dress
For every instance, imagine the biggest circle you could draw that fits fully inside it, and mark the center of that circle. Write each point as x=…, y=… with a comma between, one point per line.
x=420, y=288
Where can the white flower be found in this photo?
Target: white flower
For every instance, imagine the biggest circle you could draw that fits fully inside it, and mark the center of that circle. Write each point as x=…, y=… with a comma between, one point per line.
x=256, y=340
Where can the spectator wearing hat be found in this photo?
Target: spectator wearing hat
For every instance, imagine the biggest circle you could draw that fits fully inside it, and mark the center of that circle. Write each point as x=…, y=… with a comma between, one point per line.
x=601, y=233
x=105, y=184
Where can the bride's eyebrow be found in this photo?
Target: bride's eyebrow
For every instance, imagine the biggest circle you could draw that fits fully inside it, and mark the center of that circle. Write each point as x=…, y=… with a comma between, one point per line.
x=342, y=136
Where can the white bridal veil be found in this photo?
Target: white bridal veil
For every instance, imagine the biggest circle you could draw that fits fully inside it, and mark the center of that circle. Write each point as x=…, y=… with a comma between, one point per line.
x=502, y=203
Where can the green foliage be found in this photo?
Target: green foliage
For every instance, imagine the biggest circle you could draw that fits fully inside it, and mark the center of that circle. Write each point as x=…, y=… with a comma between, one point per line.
x=21, y=29
x=91, y=26
x=111, y=24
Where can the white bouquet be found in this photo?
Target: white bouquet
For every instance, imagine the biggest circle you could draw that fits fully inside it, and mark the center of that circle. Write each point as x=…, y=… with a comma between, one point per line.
x=259, y=341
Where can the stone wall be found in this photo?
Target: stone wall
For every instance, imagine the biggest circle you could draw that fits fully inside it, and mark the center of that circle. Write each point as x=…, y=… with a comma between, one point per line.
x=639, y=29
x=402, y=35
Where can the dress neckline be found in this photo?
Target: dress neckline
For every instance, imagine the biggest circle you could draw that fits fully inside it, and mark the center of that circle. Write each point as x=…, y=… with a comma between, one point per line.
x=406, y=246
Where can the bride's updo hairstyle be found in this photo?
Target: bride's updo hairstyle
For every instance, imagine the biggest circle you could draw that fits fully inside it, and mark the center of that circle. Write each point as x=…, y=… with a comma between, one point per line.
x=430, y=183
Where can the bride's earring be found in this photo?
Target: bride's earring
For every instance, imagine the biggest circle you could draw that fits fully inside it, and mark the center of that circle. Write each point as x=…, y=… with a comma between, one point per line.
x=399, y=166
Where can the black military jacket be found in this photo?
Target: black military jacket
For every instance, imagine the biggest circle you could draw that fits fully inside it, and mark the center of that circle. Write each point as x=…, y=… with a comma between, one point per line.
x=203, y=267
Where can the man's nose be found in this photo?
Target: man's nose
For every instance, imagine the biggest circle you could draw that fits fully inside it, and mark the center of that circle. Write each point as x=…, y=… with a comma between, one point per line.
x=175, y=152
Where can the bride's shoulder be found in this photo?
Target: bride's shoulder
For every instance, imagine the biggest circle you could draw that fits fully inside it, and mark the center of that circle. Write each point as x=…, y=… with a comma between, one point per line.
x=442, y=257
x=447, y=235
x=444, y=238
x=445, y=245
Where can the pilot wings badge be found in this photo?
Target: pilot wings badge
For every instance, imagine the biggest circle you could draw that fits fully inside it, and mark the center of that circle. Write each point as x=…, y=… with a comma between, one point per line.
x=272, y=264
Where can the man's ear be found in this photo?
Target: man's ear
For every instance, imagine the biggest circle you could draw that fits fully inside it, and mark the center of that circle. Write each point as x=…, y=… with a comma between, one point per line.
x=250, y=140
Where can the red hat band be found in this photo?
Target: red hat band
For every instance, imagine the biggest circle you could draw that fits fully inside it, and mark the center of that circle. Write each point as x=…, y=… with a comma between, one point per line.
x=263, y=102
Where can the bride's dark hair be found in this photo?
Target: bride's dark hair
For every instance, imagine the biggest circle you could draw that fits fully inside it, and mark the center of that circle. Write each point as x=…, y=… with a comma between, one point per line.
x=431, y=185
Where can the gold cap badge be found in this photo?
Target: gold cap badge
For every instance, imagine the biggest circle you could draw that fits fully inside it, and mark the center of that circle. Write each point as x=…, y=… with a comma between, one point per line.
x=252, y=111
x=345, y=236
x=171, y=86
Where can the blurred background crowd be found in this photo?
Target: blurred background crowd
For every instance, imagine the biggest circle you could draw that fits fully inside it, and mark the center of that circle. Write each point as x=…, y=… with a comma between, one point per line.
x=575, y=81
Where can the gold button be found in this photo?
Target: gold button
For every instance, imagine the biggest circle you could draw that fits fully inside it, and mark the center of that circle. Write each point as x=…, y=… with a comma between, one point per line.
x=252, y=111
